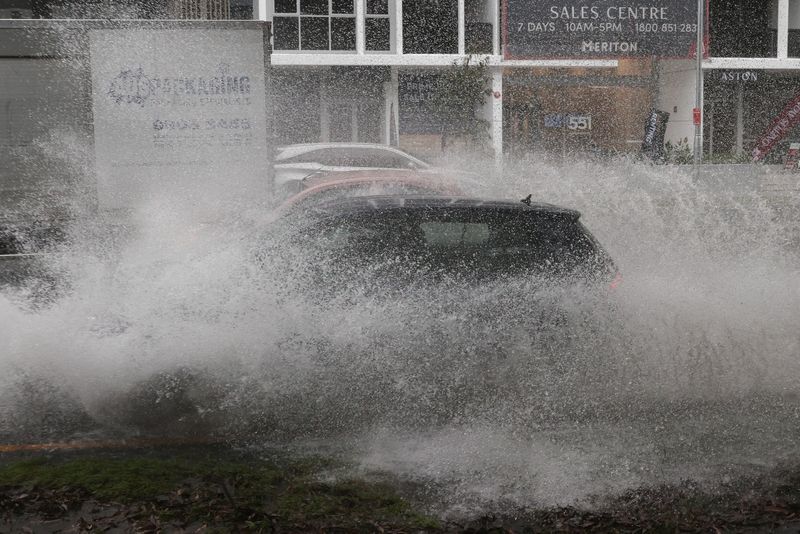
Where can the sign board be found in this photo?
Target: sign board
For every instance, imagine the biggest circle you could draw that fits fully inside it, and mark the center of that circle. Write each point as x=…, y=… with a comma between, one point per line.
x=595, y=29
x=654, y=132
x=415, y=93
x=179, y=113
x=571, y=121
x=739, y=76
x=778, y=129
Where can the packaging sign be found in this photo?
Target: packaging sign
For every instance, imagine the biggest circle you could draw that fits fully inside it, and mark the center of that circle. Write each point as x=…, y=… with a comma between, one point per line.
x=594, y=29
x=182, y=112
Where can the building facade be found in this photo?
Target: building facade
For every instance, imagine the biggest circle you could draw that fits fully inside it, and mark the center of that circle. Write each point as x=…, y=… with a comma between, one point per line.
x=363, y=63
x=383, y=71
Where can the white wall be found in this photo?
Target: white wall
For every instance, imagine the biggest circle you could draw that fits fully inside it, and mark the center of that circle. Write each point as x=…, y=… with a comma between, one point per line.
x=676, y=95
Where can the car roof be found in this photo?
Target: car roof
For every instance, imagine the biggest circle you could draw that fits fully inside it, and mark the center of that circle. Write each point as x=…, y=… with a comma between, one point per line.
x=433, y=202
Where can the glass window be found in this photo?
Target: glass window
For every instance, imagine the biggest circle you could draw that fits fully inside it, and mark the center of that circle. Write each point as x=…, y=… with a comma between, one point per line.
x=314, y=7
x=286, y=33
x=308, y=157
x=318, y=25
x=377, y=7
x=314, y=33
x=377, y=34
x=343, y=33
x=430, y=27
x=471, y=242
x=342, y=7
x=451, y=234
x=285, y=6
x=241, y=9
x=362, y=157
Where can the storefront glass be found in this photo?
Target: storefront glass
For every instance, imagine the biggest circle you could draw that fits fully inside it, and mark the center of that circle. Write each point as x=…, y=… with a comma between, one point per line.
x=562, y=112
x=740, y=107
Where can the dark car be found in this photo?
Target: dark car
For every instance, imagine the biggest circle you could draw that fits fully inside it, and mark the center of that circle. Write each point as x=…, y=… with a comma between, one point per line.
x=396, y=240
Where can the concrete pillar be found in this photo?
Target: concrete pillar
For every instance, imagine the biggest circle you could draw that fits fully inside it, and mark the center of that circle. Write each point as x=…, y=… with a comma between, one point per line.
x=324, y=116
x=391, y=99
x=497, y=113
x=496, y=28
x=361, y=46
x=398, y=26
x=461, y=28
x=783, y=29
x=260, y=10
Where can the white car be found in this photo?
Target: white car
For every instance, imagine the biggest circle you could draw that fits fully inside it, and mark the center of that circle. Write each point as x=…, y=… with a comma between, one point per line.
x=293, y=163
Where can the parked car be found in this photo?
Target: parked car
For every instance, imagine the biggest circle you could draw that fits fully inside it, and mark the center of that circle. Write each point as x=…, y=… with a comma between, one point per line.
x=323, y=187
x=294, y=163
x=23, y=254
x=405, y=238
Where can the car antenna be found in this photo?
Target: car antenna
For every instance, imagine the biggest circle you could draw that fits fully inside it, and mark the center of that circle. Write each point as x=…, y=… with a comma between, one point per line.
x=526, y=200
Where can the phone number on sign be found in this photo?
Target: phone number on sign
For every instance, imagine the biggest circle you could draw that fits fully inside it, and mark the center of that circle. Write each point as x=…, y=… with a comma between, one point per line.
x=667, y=27
x=198, y=124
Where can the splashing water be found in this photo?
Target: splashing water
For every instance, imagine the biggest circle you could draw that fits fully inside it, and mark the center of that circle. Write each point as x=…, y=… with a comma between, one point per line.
x=171, y=325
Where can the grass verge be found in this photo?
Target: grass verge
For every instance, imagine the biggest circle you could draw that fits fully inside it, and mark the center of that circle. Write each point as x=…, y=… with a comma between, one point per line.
x=215, y=489
x=192, y=489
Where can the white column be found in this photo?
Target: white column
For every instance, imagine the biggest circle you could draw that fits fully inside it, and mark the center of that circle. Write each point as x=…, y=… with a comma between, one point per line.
x=324, y=116
x=783, y=29
x=495, y=27
x=398, y=26
x=461, y=36
x=675, y=94
x=386, y=133
x=260, y=10
x=390, y=113
x=361, y=45
x=497, y=114
x=396, y=105
x=354, y=121
x=711, y=129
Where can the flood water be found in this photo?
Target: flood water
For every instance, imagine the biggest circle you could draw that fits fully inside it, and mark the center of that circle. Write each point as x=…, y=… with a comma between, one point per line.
x=169, y=327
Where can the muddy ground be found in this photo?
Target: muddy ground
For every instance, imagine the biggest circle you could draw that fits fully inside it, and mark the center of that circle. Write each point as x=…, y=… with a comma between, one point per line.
x=216, y=488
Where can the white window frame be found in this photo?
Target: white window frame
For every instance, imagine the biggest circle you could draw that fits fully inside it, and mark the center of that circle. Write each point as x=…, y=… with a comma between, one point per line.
x=359, y=14
x=389, y=15
x=330, y=16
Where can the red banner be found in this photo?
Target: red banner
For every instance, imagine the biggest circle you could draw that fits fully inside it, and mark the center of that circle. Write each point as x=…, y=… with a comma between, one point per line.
x=782, y=125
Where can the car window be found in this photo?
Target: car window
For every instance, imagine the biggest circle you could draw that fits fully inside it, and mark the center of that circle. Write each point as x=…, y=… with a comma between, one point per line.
x=355, y=157
x=312, y=156
x=478, y=242
x=29, y=240
x=455, y=234
x=9, y=244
